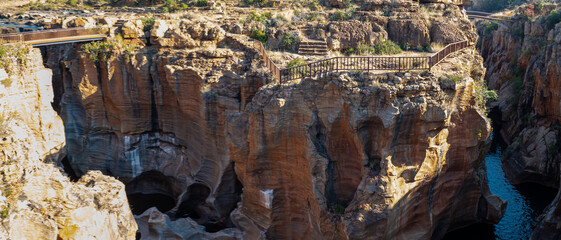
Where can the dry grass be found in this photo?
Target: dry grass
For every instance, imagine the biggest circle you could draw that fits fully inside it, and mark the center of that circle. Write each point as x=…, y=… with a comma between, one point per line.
x=435, y=47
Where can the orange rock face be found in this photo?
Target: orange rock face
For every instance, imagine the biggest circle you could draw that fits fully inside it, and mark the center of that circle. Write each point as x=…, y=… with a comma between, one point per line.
x=340, y=157
x=400, y=169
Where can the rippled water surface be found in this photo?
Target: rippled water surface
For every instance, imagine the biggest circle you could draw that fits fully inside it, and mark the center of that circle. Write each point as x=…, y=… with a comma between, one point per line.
x=525, y=203
x=519, y=219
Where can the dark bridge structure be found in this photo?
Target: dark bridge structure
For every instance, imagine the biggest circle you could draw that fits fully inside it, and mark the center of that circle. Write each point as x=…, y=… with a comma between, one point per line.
x=487, y=16
x=56, y=36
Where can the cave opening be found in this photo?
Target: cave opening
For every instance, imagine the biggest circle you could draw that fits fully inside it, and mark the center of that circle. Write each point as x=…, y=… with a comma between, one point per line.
x=151, y=189
x=140, y=202
x=194, y=206
x=194, y=197
x=67, y=167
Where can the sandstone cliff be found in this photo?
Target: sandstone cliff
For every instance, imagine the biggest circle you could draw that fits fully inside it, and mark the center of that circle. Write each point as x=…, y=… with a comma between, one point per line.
x=185, y=115
x=524, y=66
x=38, y=201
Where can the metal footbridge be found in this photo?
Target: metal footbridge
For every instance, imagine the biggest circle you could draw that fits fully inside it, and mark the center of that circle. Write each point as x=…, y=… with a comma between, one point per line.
x=56, y=36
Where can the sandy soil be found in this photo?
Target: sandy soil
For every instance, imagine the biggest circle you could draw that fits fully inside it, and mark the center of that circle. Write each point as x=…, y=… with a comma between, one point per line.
x=12, y=4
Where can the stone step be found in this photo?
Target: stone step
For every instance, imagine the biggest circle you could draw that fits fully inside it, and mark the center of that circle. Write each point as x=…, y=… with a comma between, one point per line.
x=318, y=43
x=312, y=49
x=120, y=22
x=312, y=53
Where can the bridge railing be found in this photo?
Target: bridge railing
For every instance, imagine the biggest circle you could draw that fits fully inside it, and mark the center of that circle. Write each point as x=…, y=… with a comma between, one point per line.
x=447, y=50
x=51, y=34
x=358, y=63
x=268, y=62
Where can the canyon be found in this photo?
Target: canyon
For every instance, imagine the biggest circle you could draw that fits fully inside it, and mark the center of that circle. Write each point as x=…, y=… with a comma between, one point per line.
x=178, y=118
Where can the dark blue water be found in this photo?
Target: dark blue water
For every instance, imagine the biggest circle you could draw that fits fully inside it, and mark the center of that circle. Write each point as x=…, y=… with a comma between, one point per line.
x=520, y=217
x=525, y=204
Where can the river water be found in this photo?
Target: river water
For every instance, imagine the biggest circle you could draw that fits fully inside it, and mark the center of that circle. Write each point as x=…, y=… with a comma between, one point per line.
x=525, y=204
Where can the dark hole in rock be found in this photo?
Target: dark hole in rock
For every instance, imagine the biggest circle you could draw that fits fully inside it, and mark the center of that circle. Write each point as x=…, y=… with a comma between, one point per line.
x=69, y=170
x=141, y=202
x=4, y=139
x=151, y=189
x=214, y=227
x=138, y=235
x=196, y=195
x=476, y=231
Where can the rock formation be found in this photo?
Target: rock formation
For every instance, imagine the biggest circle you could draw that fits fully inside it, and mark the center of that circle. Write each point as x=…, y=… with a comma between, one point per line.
x=184, y=113
x=38, y=201
x=524, y=66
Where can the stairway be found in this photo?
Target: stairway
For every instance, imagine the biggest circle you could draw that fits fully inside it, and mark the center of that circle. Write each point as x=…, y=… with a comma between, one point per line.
x=119, y=23
x=312, y=48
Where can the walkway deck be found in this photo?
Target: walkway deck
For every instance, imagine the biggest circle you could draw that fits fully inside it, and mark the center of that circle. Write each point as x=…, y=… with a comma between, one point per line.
x=336, y=64
x=56, y=36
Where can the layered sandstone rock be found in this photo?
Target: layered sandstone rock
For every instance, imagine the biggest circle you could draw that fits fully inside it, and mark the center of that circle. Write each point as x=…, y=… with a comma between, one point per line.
x=524, y=67
x=392, y=151
x=190, y=121
x=38, y=201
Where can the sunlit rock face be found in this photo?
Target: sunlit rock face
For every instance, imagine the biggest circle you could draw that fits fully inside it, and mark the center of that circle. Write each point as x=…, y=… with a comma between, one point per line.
x=192, y=127
x=38, y=201
x=389, y=157
x=152, y=121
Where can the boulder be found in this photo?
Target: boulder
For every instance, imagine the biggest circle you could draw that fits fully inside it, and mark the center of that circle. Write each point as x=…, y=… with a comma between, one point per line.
x=412, y=32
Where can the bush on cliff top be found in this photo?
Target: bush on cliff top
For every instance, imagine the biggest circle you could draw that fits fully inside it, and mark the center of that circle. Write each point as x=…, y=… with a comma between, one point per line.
x=295, y=63
x=259, y=35
x=552, y=19
x=99, y=51
x=387, y=47
x=10, y=54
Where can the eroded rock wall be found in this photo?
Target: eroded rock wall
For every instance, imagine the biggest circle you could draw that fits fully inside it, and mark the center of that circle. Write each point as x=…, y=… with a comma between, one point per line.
x=394, y=152
x=190, y=117
x=524, y=66
x=38, y=201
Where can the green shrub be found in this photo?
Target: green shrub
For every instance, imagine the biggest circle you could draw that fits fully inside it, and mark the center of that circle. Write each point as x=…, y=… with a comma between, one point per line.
x=387, y=47
x=289, y=41
x=184, y=6
x=13, y=54
x=5, y=213
x=257, y=3
x=148, y=23
x=312, y=16
x=552, y=19
x=201, y=3
x=455, y=78
x=295, y=63
x=340, y=16
x=490, y=27
x=262, y=18
x=259, y=35
x=72, y=3
x=359, y=50
x=491, y=95
x=99, y=51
